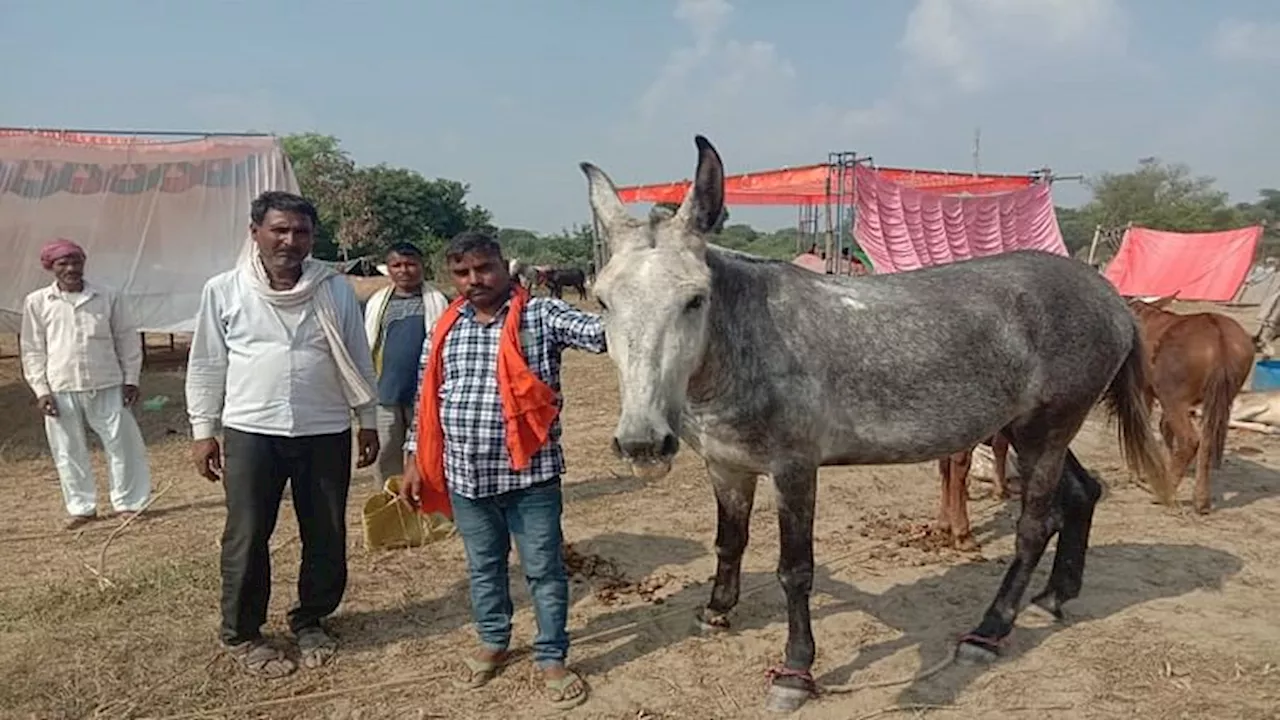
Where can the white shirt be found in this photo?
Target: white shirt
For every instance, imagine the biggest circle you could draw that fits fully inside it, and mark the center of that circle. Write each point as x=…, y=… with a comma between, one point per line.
x=261, y=370
x=76, y=342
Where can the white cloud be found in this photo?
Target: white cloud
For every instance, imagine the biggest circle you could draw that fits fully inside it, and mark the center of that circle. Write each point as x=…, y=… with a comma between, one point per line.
x=1237, y=40
x=742, y=92
x=969, y=43
x=252, y=110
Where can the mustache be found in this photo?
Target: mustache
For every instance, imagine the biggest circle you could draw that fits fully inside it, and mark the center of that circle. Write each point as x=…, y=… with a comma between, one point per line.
x=478, y=290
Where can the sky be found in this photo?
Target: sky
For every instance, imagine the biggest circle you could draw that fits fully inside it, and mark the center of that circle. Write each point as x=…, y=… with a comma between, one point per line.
x=509, y=95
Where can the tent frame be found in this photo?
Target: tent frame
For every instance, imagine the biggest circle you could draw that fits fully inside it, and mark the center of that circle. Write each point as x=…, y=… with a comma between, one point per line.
x=80, y=135
x=838, y=206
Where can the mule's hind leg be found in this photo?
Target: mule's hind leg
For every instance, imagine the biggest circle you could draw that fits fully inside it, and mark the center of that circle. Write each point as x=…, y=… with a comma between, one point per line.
x=1077, y=496
x=1040, y=456
x=735, y=495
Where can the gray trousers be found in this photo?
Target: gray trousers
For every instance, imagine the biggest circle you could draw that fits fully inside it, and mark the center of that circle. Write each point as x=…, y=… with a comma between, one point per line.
x=393, y=424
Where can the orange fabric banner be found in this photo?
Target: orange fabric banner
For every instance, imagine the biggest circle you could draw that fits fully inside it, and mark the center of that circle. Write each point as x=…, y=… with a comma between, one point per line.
x=1196, y=266
x=809, y=185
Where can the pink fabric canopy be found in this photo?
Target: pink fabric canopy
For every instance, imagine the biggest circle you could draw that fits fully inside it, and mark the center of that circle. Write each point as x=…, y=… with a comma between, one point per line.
x=1196, y=266
x=901, y=228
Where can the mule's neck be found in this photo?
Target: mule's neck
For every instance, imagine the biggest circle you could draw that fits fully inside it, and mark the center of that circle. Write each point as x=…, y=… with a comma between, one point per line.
x=736, y=296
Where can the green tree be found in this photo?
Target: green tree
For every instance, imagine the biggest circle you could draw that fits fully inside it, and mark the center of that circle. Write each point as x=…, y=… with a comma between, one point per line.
x=364, y=210
x=327, y=176
x=1077, y=228
x=407, y=207
x=1161, y=197
x=719, y=226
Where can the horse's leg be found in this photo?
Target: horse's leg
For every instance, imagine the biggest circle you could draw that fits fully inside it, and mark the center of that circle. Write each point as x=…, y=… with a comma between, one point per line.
x=961, y=533
x=1040, y=454
x=955, y=501
x=1077, y=496
x=1186, y=440
x=1167, y=434
x=1000, y=455
x=735, y=495
x=943, y=524
x=791, y=683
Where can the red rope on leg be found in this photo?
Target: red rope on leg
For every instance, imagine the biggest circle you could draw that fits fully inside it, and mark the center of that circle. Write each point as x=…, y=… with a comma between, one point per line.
x=782, y=671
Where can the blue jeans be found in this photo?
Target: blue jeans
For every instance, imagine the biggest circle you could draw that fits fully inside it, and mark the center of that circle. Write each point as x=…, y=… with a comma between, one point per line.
x=532, y=517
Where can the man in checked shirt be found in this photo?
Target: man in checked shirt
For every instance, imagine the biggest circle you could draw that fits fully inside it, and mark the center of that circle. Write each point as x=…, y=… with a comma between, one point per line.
x=500, y=483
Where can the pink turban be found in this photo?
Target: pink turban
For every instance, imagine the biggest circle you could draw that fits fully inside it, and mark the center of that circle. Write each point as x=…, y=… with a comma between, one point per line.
x=57, y=250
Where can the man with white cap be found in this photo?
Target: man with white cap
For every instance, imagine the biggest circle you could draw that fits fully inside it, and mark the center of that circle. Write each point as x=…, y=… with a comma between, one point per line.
x=82, y=356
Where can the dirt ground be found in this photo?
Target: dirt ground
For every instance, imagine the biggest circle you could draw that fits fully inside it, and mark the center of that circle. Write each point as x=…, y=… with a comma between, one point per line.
x=1178, y=617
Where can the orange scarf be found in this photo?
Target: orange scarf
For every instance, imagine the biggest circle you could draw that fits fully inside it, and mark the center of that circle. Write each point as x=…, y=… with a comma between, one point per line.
x=528, y=405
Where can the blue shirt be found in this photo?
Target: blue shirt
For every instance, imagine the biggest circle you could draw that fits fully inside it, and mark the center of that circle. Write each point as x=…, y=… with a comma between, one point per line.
x=476, y=461
x=403, y=333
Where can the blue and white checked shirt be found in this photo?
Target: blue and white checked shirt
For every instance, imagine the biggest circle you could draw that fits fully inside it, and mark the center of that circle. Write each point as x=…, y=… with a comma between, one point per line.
x=476, y=461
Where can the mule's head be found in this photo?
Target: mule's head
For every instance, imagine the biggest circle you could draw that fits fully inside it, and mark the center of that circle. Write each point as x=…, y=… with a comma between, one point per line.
x=655, y=292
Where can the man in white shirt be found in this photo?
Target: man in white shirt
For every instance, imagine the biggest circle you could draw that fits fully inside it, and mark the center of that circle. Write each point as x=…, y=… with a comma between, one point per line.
x=82, y=357
x=396, y=321
x=279, y=358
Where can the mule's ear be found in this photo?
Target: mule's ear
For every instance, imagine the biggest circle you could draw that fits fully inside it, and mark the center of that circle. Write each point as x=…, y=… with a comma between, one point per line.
x=704, y=203
x=603, y=196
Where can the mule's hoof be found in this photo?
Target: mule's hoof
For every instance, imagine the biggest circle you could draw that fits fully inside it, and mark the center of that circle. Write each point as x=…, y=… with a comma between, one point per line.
x=975, y=652
x=783, y=699
x=709, y=623
x=1048, y=602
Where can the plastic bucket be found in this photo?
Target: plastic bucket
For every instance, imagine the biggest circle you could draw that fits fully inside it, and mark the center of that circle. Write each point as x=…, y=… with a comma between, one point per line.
x=1266, y=375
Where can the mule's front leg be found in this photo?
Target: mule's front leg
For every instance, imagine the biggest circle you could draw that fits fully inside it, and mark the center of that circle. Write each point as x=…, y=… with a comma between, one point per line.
x=1041, y=472
x=735, y=495
x=792, y=683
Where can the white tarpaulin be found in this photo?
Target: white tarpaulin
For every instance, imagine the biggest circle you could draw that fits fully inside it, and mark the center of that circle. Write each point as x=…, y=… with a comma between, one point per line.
x=156, y=219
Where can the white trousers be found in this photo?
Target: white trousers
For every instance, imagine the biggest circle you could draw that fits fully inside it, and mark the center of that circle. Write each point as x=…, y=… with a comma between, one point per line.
x=113, y=423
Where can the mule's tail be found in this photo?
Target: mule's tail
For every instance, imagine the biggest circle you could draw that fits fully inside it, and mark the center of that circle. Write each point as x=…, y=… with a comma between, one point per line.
x=1126, y=400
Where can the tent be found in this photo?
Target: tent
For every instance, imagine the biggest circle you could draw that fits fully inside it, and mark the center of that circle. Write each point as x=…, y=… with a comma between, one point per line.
x=157, y=219
x=906, y=228
x=828, y=183
x=1262, y=282
x=1195, y=266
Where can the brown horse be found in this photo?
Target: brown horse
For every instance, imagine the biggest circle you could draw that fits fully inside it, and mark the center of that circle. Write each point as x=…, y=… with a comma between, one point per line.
x=1196, y=359
x=953, y=508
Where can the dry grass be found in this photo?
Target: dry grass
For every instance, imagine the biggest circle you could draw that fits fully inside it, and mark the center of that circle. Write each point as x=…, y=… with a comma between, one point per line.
x=1177, y=616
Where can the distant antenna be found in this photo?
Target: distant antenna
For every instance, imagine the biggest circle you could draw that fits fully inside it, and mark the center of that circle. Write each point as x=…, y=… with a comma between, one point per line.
x=977, y=151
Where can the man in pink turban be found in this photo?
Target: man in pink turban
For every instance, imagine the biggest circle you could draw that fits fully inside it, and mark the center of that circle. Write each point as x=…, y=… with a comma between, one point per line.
x=82, y=356
x=59, y=249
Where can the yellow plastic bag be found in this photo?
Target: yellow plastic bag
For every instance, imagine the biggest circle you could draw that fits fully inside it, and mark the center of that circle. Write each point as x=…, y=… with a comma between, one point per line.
x=390, y=522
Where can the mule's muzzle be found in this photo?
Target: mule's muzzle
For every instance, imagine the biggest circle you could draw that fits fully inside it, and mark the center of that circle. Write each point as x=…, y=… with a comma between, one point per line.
x=649, y=455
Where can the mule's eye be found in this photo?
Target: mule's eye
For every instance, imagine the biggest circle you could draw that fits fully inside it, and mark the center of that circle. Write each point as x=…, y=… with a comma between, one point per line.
x=695, y=303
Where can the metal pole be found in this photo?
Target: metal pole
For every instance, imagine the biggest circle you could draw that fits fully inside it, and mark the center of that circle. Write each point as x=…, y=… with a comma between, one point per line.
x=1093, y=245
x=828, y=240
x=160, y=133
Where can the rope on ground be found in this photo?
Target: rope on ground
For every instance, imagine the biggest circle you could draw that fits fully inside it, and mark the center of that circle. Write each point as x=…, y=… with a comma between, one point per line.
x=936, y=668
x=240, y=710
x=921, y=709
x=101, y=572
